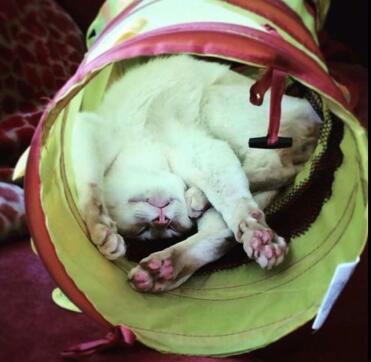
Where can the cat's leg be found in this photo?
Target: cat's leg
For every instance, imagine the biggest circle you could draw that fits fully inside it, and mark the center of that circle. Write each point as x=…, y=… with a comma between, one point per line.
x=90, y=158
x=169, y=268
x=265, y=198
x=215, y=169
x=272, y=169
x=275, y=177
x=197, y=202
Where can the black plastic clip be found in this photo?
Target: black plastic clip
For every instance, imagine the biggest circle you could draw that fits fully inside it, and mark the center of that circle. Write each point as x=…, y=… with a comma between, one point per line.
x=262, y=142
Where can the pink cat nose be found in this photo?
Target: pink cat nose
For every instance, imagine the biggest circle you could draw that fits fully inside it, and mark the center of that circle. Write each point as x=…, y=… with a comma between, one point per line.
x=161, y=220
x=158, y=202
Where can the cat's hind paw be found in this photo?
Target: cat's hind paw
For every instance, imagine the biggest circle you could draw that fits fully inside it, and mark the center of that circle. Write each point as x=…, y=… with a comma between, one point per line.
x=153, y=275
x=266, y=253
x=261, y=243
x=102, y=229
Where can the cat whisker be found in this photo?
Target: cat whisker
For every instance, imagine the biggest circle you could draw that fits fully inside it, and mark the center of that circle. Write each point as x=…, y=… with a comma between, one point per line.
x=141, y=216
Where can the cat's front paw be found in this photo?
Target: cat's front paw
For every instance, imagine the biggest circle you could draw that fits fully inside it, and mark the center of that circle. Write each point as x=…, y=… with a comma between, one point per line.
x=260, y=242
x=108, y=241
x=103, y=231
x=196, y=201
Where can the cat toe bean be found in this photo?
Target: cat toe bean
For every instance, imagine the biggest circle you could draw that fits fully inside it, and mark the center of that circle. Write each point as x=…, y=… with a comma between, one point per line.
x=114, y=247
x=196, y=202
x=140, y=279
x=154, y=265
x=167, y=271
x=262, y=261
x=99, y=234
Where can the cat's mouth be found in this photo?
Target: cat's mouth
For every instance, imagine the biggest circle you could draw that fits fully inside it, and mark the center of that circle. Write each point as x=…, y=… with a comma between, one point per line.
x=137, y=249
x=164, y=229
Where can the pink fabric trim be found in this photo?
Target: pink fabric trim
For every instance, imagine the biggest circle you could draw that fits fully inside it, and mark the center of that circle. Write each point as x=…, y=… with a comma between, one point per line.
x=279, y=14
x=260, y=87
x=284, y=17
x=118, y=335
x=264, y=49
x=275, y=80
x=277, y=91
x=39, y=232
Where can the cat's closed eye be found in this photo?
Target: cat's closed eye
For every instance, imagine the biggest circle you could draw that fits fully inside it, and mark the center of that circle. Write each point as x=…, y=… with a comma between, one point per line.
x=143, y=230
x=137, y=199
x=172, y=227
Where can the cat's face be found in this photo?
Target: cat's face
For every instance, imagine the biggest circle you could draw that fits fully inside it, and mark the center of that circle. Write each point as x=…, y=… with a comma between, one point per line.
x=151, y=205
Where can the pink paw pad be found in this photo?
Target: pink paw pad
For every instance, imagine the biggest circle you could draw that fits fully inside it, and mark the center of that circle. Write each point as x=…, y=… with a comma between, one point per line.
x=142, y=280
x=154, y=264
x=268, y=252
x=271, y=255
x=255, y=243
x=141, y=276
x=152, y=275
x=259, y=243
x=267, y=249
x=265, y=236
x=166, y=271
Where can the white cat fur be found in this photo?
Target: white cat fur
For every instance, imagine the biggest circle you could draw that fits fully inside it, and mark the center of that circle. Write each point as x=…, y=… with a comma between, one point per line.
x=176, y=130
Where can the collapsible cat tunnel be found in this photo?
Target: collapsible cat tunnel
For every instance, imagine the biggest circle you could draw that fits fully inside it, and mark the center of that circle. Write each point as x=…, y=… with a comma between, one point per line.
x=234, y=307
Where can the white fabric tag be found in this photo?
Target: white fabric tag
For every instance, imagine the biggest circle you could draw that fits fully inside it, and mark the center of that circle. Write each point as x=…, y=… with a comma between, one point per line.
x=341, y=276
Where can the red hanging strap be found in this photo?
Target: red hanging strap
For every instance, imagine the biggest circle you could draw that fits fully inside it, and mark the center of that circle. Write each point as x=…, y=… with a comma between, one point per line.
x=278, y=89
x=260, y=87
x=274, y=79
x=119, y=335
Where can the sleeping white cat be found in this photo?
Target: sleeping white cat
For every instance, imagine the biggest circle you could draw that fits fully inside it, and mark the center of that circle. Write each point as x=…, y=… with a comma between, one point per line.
x=168, y=147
